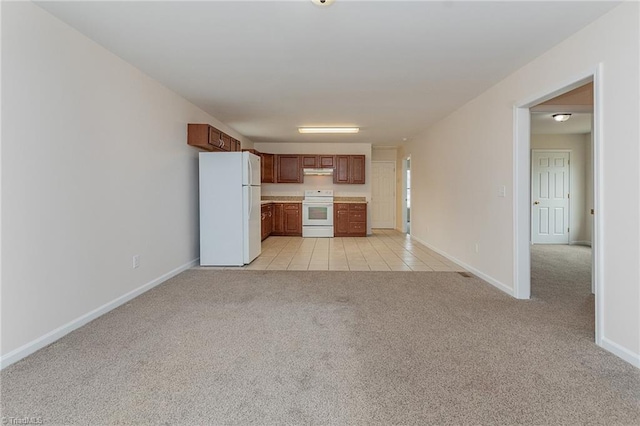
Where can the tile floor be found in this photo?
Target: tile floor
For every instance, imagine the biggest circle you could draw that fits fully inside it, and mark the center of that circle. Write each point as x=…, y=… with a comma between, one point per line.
x=385, y=250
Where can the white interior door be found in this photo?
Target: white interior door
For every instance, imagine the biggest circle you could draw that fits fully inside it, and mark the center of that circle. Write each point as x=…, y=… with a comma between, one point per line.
x=383, y=194
x=550, y=197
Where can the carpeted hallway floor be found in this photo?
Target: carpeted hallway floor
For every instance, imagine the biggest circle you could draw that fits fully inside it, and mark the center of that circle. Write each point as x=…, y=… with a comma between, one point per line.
x=312, y=347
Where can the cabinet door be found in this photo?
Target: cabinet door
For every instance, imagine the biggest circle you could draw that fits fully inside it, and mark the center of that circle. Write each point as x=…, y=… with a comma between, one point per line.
x=267, y=168
x=357, y=229
x=263, y=223
x=358, y=220
x=326, y=161
x=341, y=219
x=215, y=139
x=292, y=220
x=341, y=174
x=269, y=225
x=198, y=136
x=356, y=169
x=226, y=142
x=289, y=170
x=309, y=161
x=278, y=219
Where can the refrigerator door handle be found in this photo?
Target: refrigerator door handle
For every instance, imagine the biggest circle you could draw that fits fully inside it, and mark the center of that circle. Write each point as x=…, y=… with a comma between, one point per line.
x=250, y=198
x=250, y=171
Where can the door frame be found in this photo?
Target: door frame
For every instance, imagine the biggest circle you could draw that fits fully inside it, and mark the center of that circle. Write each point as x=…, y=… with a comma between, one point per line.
x=395, y=189
x=569, y=190
x=404, y=194
x=522, y=185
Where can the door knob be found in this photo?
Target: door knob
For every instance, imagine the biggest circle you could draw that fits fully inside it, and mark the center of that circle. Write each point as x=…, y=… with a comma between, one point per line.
x=536, y=202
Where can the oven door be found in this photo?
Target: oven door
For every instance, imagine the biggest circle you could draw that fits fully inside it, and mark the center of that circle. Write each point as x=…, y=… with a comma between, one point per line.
x=317, y=213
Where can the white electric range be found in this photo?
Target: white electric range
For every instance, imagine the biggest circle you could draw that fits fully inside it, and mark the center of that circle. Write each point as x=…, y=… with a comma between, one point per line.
x=317, y=213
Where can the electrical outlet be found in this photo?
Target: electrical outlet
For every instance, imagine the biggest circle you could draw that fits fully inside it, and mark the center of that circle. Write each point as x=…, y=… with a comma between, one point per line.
x=477, y=247
x=136, y=261
x=502, y=191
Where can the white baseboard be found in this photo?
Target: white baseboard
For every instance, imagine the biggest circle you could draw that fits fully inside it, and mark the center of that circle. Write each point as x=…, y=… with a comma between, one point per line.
x=52, y=336
x=499, y=285
x=581, y=243
x=621, y=352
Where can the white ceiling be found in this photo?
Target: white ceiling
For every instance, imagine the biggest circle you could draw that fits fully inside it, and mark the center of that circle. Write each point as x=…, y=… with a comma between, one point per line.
x=542, y=123
x=390, y=67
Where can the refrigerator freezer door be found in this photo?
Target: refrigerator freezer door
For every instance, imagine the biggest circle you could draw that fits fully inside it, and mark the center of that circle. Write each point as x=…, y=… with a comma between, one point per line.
x=250, y=169
x=251, y=222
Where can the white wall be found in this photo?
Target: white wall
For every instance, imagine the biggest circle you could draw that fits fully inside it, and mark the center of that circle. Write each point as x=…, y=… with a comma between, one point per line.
x=320, y=182
x=95, y=169
x=459, y=163
x=384, y=153
x=579, y=185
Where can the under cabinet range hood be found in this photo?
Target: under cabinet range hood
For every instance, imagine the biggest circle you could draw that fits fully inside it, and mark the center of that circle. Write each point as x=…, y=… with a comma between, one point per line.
x=317, y=172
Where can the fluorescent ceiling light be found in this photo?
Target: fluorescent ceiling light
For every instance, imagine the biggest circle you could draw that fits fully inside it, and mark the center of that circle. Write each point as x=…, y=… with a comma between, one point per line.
x=328, y=129
x=561, y=117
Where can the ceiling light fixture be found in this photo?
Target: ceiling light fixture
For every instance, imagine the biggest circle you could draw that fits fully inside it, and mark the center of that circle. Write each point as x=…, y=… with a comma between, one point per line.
x=323, y=2
x=561, y=116
x=328, y=129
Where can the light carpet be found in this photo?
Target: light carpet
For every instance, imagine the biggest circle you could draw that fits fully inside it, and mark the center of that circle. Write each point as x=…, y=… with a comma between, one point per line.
x=325, y=348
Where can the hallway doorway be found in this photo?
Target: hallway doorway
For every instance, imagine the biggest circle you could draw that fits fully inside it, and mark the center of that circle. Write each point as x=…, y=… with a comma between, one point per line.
x=541, y=269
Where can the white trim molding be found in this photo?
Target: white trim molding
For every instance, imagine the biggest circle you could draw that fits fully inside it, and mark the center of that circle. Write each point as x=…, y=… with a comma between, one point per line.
x=622, y=352
x=45, y=340
x=522, y=185
x=494, y=282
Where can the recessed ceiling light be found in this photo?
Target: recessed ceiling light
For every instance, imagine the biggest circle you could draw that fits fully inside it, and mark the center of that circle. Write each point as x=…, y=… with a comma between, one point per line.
x=404, y=139
x=328, y=129
x=561, y=116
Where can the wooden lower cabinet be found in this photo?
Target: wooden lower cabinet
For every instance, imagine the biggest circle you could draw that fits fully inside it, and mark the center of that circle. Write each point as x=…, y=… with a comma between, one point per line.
x=267, y=220
x=350, y=219
x=340, y=220
x=278, y=219
x=287, y=219
x=292, y=219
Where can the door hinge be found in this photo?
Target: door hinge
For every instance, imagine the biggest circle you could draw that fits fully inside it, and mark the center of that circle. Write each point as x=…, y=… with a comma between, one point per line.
x=568, y=195
x=567, y=230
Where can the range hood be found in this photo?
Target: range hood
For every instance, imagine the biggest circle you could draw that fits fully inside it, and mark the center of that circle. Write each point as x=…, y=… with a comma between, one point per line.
x=317, y=172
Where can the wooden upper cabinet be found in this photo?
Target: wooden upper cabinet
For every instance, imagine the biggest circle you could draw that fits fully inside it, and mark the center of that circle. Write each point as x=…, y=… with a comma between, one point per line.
x=198, y=136
x=226, y=142
x=349, y=169
x=326, y=161
x=317, y=161
x=288, y=168
x=267, y=168
x=341, y=173
x=209, y=138
x=357, y=166
x=215, y=138
x=309, y=161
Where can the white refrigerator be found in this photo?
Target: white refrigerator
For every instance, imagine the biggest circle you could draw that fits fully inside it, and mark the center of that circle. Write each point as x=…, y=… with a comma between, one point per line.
x=230, y=226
